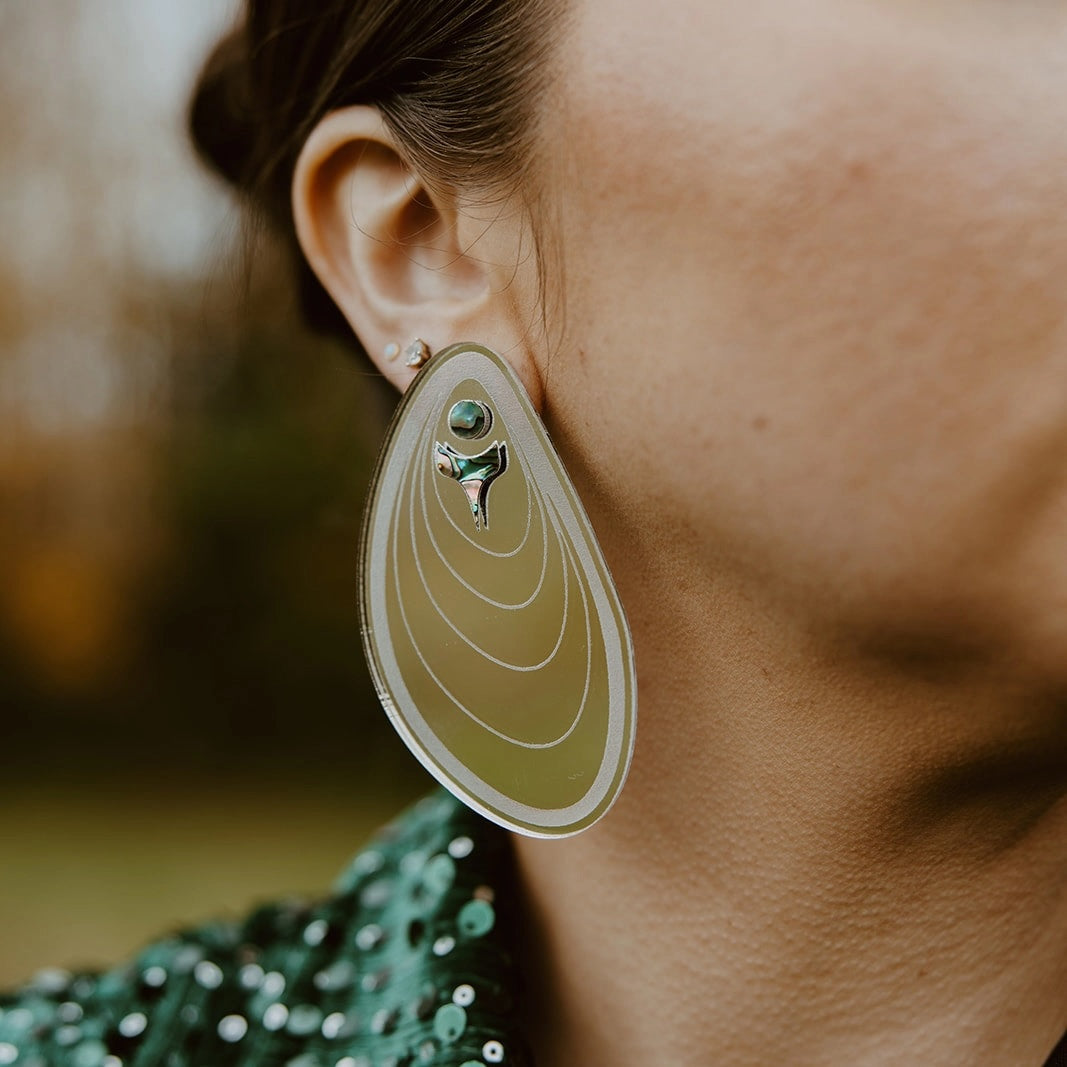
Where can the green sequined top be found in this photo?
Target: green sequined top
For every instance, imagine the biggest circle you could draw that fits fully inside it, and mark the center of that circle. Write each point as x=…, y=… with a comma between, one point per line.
x=406, y=963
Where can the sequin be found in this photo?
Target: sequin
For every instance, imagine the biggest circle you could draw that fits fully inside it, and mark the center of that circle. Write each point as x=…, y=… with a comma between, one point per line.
x=315, y=932
x=232, y=1027
x=66, y=1036
x=383, y=1021
x=377, y=894
x=69, y=1012
x=8, y=1053
x=493, y=1052
x=368, y=862
x=369, y=937
x=133, y=1025
x=439, y=874
x=476, y=918
x=459, y=848
x=90, y=1053
x=187, y=957
x=371, y=983
x=250, y=976
x=333, y=1024
x=444, y=945
x=20, y=1018
x=82, y=986
x=463, y=995
x=51, y=980
x=339, y=975
x=412, y=862
x=275, y=1016
x=154, y=977
x=304, y=1019
x=273, y=984
x=305, y=1059
x=208, y=974
x=449, y=1023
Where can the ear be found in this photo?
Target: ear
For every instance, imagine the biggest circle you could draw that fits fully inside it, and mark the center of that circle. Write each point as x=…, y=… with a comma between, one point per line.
x=403, y=262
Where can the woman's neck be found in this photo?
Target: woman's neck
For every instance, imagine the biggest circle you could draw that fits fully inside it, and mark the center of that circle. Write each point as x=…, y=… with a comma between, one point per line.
x=818, y=859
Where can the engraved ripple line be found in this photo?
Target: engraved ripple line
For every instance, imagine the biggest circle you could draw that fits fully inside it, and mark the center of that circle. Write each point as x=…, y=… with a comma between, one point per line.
x=462, y=533
x=428, y=526
x=453, y=627
x=529, y=745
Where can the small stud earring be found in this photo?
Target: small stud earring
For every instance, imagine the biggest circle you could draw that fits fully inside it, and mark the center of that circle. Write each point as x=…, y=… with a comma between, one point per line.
x=391, y=351
x=417, y=354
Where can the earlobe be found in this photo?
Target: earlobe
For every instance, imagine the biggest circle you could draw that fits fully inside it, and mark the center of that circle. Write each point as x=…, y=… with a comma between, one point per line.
x=398, y=261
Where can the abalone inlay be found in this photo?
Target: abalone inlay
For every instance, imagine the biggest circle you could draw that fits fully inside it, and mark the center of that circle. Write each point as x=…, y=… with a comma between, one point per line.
x=475, y=474
x=470, y=420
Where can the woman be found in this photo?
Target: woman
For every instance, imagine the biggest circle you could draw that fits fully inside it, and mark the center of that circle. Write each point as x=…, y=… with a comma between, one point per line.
x=785, y=283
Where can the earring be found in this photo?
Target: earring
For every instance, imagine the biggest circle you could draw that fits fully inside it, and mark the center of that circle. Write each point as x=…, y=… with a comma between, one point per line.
x=417, y=353
x=493, y=631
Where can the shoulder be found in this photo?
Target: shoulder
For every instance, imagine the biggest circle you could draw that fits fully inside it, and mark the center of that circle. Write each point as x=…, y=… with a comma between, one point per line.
x=408, y=961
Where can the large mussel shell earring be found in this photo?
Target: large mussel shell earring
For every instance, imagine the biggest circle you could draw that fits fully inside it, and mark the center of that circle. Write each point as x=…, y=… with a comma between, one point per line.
x=493, y=630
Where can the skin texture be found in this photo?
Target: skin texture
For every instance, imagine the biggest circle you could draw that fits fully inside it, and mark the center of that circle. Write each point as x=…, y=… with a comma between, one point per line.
x=804, y=351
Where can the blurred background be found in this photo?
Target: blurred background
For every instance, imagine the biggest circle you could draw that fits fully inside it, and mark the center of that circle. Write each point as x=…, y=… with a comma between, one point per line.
x=186, y=722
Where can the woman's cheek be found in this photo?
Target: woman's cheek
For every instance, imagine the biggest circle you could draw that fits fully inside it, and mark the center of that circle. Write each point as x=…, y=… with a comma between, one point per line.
x=833, y=336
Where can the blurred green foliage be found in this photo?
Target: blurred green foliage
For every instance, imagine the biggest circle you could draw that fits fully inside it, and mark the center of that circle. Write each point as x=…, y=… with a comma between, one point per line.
x=243, y=625
x=186, y=721
x=225, y=687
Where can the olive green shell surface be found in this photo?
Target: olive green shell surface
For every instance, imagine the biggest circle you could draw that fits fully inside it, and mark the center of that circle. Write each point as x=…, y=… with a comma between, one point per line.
x=407, y=962
x=493, y=630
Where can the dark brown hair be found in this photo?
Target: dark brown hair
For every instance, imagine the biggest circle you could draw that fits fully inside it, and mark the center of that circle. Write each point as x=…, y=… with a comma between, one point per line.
x=457, y=81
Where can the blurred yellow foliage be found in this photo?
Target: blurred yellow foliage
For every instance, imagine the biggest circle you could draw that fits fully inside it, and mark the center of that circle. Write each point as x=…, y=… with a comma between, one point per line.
x=64, y=611
x=181, y=471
